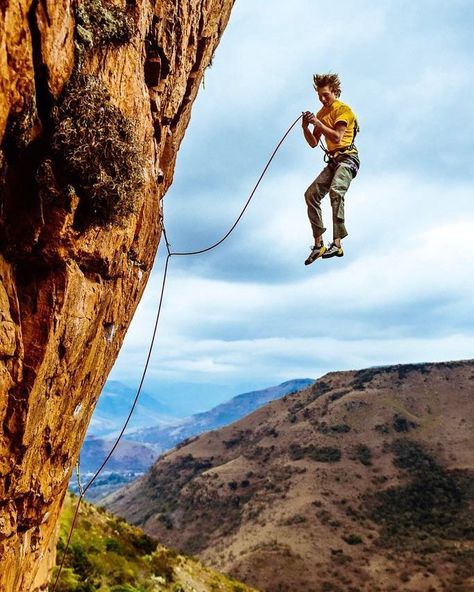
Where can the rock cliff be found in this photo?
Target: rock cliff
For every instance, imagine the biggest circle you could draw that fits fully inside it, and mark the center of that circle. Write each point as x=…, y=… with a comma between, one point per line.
x=95, y=97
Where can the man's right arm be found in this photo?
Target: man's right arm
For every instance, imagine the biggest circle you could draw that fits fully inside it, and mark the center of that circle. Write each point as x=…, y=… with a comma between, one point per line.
x=312, y=137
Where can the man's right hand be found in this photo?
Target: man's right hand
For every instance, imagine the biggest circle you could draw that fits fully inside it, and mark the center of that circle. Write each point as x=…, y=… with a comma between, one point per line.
x=307, y=116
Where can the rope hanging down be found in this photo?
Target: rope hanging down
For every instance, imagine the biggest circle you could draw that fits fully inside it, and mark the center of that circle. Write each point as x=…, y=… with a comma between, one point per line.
x=170, y=254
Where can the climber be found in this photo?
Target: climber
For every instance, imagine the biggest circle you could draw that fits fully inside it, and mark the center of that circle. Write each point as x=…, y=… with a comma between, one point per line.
x=337, y=123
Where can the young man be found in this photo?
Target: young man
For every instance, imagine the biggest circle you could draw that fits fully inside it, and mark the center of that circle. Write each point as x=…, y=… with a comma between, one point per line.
x=337, y=123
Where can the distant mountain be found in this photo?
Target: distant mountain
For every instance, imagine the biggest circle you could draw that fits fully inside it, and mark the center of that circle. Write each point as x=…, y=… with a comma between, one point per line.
x=138, y=450
x=129, y=461
x=363, y=481
x=128, y=456
x=166, y=437
x=114, y=405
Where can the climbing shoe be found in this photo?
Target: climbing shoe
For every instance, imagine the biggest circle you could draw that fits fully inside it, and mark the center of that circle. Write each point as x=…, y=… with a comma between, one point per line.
x=333, y=251
x=316, y=252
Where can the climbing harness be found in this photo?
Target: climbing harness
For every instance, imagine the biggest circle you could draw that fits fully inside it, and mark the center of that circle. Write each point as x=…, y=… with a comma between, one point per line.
x=83, y=490
x=334, y=158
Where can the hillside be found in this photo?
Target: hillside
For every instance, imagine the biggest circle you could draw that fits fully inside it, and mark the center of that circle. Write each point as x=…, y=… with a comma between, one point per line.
x=108, y=555
x=138, y=450
x=363, y=481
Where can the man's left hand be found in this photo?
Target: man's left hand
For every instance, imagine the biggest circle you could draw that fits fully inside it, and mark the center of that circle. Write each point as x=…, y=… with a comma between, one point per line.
x=317, y=123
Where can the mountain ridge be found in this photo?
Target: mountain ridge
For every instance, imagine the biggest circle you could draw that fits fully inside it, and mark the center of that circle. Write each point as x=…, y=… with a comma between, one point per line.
x=222, y=414
x=299, y=494
x=137, y=451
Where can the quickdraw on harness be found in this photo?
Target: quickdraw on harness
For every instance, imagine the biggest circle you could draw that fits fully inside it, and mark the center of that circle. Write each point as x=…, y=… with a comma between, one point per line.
x=330, y=157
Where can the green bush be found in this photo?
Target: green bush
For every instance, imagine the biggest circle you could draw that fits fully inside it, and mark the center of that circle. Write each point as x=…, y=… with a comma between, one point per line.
x=79, y=561
x=125, y=588
x=166, y=520
x=340, y=428
x=434, y=502
x=352, y=539
x=324, y=454
x=364, y=454
x=113, y=545
x=162, y=565
x=401, y=424
x=319, y=454
x=68, y=580
x=100, y=24
x=296, y=452
x=143, y=543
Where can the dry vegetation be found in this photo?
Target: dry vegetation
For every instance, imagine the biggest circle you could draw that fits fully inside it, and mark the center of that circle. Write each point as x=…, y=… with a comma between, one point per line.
x=95, y=151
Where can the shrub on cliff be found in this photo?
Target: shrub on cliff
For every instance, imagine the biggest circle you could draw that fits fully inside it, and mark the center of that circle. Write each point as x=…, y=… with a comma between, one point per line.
x=95, y=150
x=99, y=24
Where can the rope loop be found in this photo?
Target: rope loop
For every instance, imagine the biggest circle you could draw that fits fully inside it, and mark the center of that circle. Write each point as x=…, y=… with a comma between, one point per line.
x=170, y=254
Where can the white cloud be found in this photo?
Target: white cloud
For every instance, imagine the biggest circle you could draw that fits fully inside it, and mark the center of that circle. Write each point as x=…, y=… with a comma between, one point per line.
x=283, y=358
x=252, y=310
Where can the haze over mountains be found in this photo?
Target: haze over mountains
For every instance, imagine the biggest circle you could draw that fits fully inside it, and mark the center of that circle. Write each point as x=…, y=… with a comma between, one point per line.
x=140, y=447
x=113, y=407
x=361, y=482
x=167, y=437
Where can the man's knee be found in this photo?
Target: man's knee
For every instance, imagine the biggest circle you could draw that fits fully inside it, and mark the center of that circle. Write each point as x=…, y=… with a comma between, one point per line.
x=341, y=181
x=337, y=205
x=312, y=194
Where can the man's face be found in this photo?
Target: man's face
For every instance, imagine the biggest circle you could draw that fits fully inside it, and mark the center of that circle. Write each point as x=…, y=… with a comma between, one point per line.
x=326, y=95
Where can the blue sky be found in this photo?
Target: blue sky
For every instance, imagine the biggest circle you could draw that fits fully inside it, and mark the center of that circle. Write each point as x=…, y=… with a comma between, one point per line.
x=250, y=314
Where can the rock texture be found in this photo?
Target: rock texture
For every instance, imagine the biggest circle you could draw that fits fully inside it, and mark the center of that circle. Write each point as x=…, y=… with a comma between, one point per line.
x=362, y=482
x=70, y=281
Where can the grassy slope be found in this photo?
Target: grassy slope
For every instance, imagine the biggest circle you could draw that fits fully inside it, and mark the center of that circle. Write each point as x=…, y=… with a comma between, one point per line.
x=108, y=555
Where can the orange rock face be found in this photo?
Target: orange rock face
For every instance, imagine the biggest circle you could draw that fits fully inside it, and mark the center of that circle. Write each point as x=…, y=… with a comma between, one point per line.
x=70, y=281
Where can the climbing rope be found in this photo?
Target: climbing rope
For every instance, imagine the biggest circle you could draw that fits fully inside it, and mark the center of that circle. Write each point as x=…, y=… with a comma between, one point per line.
x=83, y=490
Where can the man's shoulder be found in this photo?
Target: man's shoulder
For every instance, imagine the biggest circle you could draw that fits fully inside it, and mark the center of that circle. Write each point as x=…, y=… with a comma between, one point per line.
x=341, y=107
x=343, y=112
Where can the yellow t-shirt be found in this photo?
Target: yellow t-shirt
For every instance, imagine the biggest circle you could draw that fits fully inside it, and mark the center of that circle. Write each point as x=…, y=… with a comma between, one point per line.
x=339, y=111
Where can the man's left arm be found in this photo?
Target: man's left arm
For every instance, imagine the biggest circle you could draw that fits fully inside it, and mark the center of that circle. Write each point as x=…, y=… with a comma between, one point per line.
x=334, y=134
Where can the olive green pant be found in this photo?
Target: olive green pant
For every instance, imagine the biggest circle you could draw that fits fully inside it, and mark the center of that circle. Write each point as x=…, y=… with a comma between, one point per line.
x=335, y=181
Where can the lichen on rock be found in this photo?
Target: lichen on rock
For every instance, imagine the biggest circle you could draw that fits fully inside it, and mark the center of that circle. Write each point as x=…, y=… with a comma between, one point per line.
x=99, y=24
